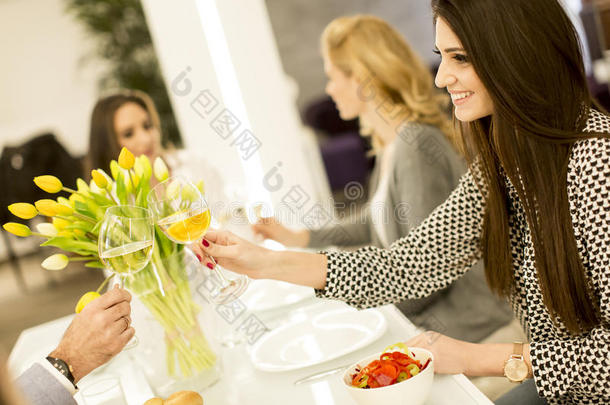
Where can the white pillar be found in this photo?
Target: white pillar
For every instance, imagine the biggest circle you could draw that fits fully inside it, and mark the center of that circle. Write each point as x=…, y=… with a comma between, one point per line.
x=232, y=99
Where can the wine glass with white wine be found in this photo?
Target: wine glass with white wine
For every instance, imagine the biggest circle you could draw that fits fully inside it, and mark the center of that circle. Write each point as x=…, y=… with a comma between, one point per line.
x=126, y=238
x=125, y=242
x=184, y=216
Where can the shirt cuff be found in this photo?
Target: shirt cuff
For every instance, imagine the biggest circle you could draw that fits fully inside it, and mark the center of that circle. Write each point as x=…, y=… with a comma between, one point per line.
x=63, y=380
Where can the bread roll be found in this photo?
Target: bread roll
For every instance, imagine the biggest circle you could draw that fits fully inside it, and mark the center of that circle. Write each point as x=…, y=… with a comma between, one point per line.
x=154, y=401
x=184, y=398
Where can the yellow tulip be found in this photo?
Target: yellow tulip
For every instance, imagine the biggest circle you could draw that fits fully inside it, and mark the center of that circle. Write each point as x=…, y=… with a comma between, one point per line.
x=145, y=166
x=47, y=229
x=50, y=184
x=126, y=159
x=65, y=233
x=94, y=188
x=60, y=223
x=114, y=169
x=23, y=210
x=201, y=187
x=173, y=190
x=99, y=179
x=55, y=262
x=64, y=201
x=160, y=170
x=77, y=197
x=17, y=229
x=85, y=299
x=78, y=232
x=63, y=209
x=127, y=182
x=47, y=207
x=82, y=186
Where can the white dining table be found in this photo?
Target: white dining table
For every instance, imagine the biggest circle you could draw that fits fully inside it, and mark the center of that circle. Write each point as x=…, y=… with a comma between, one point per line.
x=241, y=383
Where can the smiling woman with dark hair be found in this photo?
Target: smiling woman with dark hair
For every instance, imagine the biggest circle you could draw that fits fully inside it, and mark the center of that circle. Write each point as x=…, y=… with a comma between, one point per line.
x=533, y=205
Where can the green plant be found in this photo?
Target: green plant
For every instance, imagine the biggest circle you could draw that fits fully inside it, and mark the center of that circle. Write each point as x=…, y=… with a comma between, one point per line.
x=123, y=40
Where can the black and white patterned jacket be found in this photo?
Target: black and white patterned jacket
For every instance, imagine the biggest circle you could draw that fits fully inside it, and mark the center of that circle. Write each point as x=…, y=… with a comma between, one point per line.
x=567, y=369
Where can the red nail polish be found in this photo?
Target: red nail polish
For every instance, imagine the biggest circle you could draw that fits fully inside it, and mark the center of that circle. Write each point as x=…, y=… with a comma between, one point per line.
x=210, y=266
x=205, y=243
x=198, y=257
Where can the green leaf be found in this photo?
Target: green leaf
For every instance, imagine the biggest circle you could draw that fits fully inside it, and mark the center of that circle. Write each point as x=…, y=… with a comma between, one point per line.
x=121, y=191
x=71, y=245
x=95, y=264
x=141, y=198
x=100, y=200
x=96, y=228
x=83, y=209
x=82, y=225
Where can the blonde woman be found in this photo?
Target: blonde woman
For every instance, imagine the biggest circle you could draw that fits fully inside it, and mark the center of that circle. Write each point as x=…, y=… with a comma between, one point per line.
x=373, y=74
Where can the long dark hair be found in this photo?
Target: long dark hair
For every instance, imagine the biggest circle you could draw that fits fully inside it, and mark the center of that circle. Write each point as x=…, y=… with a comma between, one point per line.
x=103, y=140
x=528, y=56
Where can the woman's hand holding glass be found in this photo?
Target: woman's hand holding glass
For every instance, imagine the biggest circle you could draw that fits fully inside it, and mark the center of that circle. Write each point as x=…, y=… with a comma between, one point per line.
x=236, y=254
x=184, y=216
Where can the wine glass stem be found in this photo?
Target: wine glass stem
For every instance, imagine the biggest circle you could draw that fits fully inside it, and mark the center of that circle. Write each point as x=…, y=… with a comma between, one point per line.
x=219, y=271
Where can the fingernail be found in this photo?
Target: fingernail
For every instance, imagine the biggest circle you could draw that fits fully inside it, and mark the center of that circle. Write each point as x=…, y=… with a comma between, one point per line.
x=198, y=257
x=205, y=243
x=210, y=266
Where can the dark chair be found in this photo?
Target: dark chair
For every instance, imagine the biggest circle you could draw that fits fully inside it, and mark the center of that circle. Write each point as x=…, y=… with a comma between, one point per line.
x=19, y=165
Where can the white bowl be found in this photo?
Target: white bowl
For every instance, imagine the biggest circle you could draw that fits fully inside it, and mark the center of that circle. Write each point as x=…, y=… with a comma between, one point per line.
x=412, y=391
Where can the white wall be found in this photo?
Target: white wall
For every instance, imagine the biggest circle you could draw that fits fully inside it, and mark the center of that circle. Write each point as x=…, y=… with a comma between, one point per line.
x=42, y=84
x=227, y=49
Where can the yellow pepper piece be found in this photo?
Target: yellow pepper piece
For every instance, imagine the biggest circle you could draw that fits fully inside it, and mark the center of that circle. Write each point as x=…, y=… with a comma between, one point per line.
x=413, y=369
x=23, y=210
x=400, y=346
x=85, y=299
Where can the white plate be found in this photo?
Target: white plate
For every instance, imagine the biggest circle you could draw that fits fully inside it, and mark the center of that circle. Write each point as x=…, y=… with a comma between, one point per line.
x=264, y=295
x=316, y=339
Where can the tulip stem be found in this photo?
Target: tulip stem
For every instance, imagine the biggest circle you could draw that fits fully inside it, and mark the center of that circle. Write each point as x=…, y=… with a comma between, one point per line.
x=112, y=197
x=81, y=258
x=101, y=287
x=79, y=216
x=69, y=190
x=133, y=183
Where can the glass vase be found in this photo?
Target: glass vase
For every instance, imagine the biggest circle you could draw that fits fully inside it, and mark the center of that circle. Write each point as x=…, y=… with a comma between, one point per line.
x=168, y=314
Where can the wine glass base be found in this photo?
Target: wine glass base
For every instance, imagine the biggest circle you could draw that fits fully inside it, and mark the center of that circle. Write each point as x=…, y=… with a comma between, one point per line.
x=229, y=292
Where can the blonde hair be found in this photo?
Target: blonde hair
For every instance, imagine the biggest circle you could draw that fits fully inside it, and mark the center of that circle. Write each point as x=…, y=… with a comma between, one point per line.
x=371, y=49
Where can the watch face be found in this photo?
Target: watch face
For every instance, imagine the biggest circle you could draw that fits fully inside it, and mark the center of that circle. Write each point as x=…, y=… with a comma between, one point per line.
x=516, y=370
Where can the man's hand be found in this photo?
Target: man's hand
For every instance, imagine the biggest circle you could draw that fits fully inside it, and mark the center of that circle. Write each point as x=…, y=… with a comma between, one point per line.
x=97, y=334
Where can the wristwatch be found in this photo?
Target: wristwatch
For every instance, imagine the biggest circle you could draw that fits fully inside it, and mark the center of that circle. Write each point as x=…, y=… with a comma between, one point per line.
x=515, y=368
x=64, y=368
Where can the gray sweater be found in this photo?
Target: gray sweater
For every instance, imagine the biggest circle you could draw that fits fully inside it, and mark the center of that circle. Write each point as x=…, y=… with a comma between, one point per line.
x=424, y=171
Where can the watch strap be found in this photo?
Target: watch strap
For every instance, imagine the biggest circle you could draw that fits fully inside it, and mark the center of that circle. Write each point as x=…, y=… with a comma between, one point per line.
x=518, y=349
x=64, y=368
